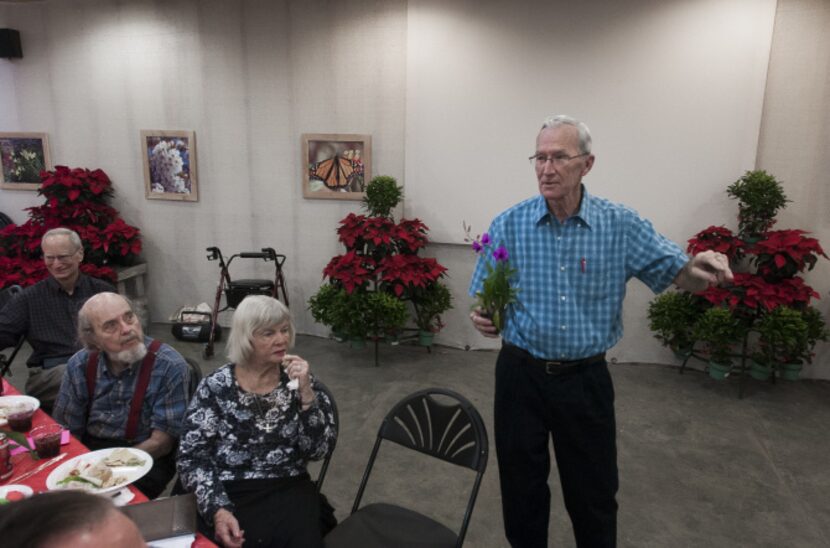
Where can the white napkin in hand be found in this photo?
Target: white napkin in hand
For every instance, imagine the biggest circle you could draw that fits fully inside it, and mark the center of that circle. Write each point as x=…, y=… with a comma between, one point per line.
x=293, y=384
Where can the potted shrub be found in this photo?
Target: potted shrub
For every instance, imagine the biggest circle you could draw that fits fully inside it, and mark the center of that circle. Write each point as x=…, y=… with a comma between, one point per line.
x=430, y=302
x=327, y=307
x=719, y=330
x=782, y=344
x=671, y=317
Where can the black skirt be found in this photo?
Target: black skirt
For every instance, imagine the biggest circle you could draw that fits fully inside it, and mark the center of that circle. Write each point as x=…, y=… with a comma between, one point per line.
x=274, y=512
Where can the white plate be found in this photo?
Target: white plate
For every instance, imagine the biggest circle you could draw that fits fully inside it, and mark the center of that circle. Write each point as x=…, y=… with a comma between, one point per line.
x=11, y=401
x=130, y=473
x=25, y=490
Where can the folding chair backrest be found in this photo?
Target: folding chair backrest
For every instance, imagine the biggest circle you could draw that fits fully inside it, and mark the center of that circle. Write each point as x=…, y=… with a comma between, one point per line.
x=195, y=377
x=325, y=466
x=6, y=295
x=451, y=432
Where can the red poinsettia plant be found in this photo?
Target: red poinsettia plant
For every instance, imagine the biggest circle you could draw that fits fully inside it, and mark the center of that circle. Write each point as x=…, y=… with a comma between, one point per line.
x=370, y=287
x=766, y=284
x=717, y=238
x=77, y=199
x=780, y=254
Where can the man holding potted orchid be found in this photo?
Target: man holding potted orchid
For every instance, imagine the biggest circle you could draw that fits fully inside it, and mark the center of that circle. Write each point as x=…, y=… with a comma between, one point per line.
x=570, y=254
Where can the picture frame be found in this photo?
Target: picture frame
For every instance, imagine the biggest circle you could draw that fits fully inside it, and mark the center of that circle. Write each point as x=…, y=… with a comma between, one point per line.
x=23, y=156
x=336, y=166
x=169, y=159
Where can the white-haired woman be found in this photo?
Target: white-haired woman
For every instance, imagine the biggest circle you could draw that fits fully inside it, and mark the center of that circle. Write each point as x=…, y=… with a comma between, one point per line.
x=249, y=433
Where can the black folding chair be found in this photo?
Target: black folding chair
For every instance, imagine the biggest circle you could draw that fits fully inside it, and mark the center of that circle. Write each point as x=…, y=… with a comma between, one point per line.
x=325, y=466
x=451, y=432
x=6, y=295
x=195, y=376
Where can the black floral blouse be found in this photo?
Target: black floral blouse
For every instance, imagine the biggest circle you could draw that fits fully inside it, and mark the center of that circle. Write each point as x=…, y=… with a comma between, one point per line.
x=230, y=434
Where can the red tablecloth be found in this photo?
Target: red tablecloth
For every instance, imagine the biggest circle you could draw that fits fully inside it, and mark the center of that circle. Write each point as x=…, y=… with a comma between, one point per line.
x=23, y=463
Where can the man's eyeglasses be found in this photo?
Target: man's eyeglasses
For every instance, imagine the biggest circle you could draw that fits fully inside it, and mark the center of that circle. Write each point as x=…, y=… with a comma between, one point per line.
x=558, y=160
x=59, y=258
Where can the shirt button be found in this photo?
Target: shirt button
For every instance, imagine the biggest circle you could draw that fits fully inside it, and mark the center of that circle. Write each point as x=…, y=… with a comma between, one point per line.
x=562, y=268
x=564, y=327
x=563, y=297
x=558, y=238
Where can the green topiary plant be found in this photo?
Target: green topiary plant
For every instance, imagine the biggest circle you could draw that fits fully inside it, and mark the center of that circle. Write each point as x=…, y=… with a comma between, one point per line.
x=759, y=196
x=382, y=195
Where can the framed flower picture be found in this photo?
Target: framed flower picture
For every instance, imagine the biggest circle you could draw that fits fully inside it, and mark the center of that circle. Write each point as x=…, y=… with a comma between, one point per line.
x=169, y=165
x=23, y=157
x=336, y=166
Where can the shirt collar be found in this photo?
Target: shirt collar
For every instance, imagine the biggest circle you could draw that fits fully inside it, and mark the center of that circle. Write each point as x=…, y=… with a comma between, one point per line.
x=586, y=214
x=55, y=286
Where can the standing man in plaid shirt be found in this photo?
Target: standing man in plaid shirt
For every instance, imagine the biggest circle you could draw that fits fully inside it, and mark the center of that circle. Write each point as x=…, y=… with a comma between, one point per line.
x=573, y=253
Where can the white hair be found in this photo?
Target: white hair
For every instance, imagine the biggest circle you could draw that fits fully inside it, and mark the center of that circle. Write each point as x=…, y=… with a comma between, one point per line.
x=552, y=122
x=73, y=236
x=253, y=313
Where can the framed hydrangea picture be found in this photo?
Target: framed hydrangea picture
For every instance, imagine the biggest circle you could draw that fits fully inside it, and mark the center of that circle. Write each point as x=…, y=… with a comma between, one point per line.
x=23, y=156
x=169, y=165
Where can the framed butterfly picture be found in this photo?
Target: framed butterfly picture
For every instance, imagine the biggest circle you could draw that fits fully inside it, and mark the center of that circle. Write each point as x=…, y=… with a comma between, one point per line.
x=336, y=166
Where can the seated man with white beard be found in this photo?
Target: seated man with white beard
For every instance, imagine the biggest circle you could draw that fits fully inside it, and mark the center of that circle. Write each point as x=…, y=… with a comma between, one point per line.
x=138, y=387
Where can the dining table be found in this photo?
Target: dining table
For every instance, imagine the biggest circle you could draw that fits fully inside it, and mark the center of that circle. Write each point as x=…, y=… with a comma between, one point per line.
x=32, y=472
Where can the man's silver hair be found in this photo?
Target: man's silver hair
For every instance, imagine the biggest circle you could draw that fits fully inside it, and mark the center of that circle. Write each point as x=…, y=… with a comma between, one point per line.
x=86, y=333
x=73, y=236
x=564, y=120
x=255, y=312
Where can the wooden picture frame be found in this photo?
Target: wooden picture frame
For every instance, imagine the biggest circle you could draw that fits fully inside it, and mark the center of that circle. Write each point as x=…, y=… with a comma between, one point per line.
x=169, y=159
x=336, y=166
x=23, y=156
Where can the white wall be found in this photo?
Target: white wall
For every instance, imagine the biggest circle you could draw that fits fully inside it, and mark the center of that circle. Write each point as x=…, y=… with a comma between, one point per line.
x=250, y=76
x=795, y=136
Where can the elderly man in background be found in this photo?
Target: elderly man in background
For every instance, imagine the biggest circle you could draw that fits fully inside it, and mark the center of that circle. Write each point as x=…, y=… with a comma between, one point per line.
x=46, y=313
x=124, y=389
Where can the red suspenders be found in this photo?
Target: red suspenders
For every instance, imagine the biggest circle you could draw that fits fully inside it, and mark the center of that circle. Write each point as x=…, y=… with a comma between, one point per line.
x=140, y=386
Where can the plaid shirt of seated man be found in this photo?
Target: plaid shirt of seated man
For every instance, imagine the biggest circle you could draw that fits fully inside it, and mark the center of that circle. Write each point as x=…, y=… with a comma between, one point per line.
x=107, y=323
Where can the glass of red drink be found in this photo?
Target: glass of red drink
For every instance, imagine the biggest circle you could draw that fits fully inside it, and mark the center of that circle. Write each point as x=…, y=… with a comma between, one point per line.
x=47, y=438
x=20, y=417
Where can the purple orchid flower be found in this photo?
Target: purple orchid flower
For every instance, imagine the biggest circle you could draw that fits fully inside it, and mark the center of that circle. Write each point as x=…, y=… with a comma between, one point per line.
x=500, y=254
x=477, y=247
x=485, y=239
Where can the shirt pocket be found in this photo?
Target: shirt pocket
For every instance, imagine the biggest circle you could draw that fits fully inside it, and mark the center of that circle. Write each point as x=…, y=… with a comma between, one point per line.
x=592, y=281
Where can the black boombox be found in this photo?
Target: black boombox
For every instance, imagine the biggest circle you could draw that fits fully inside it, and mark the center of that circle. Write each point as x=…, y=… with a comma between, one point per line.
x=194, y=331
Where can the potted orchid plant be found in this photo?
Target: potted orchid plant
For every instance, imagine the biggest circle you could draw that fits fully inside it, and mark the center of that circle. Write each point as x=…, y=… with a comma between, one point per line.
x=496, y=293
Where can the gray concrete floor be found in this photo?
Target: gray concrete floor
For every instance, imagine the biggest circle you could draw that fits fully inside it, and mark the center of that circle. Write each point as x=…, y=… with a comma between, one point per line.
x=698, y=466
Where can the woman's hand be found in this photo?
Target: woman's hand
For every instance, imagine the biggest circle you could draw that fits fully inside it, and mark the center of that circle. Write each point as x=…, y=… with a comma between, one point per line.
x=297, y=368
x=226, y=529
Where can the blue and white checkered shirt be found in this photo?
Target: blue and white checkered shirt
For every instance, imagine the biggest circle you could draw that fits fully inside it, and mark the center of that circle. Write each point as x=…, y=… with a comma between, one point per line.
x=164, y=406
x=572, y=275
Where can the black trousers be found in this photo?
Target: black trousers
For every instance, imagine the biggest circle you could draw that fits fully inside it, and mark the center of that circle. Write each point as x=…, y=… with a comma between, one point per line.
x=575, y=407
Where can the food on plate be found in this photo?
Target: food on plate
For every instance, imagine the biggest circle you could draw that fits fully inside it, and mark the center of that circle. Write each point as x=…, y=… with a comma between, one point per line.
x=123, y=457
x=87, y=475
x=12, y=496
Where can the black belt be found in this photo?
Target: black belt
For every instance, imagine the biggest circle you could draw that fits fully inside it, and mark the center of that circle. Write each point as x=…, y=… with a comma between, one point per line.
x=553, y=367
